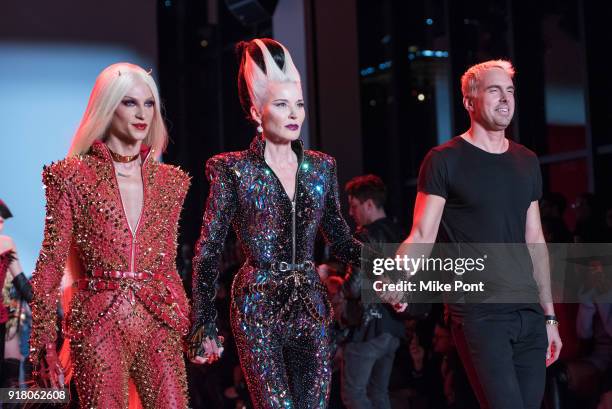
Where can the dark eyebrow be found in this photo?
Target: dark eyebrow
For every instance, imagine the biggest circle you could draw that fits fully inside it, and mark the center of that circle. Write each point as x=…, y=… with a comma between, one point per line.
x=147, y=99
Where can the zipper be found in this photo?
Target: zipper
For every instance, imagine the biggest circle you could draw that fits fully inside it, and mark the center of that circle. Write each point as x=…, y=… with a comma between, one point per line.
x=293, y=229
x=133, y=248
x=293, y=206
x=133, y=258
x=293, y=203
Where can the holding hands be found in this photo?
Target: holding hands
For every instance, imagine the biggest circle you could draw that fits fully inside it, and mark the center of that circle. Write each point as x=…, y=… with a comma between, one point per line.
x=205, y=348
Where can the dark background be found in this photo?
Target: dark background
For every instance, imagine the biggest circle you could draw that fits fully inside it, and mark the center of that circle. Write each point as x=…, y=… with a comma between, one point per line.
x=383, y=83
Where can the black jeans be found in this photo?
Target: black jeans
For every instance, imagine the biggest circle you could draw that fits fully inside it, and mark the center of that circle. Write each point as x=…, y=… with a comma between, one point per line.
x=366, y=370
x=504, y=355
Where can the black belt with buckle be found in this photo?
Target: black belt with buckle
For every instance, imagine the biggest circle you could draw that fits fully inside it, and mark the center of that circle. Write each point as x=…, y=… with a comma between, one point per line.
x=297, y=281
x=283, y=266
x=296, y=278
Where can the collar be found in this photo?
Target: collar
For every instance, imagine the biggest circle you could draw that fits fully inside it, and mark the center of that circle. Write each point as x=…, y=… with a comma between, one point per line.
x=101, y=151
x=258, y=145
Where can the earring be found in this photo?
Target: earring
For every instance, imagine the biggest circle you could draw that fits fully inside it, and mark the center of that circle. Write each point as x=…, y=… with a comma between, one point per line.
x=259, y=128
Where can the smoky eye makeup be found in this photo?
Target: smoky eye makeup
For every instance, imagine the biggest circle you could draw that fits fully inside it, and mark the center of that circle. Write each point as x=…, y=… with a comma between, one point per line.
x=131, y=102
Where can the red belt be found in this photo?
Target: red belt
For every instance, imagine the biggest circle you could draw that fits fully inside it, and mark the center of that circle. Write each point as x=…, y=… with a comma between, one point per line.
x=136, y=275
x=96, y=285
x=110, y=280
x=97, y=282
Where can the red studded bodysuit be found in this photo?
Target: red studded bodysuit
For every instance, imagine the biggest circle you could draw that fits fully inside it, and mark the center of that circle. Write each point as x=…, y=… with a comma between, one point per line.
x=129, y=310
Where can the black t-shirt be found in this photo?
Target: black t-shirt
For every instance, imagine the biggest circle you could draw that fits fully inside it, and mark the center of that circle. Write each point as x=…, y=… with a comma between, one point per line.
x=487, y=194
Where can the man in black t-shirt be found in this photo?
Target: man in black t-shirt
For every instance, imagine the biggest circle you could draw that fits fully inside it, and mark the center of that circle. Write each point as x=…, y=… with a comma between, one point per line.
x=481, y=187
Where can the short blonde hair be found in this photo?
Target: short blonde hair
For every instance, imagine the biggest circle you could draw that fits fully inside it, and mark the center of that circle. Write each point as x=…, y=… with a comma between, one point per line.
x=471, y=78
x=112, y=84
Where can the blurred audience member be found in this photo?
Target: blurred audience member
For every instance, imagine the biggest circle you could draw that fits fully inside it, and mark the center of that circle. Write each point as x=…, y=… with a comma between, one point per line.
x=589, y=219
x=457, y=390
x=416, y=381
x=375, y=330
x=552, y=209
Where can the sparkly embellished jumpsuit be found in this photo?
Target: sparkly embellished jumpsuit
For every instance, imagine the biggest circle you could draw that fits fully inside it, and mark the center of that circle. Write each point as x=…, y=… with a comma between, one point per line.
x=129, y=311
x=280, y=313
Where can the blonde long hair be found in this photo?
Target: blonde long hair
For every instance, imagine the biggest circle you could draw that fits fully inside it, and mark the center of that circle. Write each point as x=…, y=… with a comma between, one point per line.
x=111, y=86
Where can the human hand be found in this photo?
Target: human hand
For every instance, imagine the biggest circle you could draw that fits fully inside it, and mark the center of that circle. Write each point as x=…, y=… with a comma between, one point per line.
x=554, y=344
x=324, y=271
x=211, y=351
x=50, y=373
x=390, y=297
x=204, y=346
x=400, y=307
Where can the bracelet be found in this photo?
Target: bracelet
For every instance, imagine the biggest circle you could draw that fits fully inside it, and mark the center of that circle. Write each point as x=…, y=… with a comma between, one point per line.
x=551, y=320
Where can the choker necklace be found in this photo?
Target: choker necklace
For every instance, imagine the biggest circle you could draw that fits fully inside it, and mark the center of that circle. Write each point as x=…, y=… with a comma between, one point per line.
x=123, y=159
